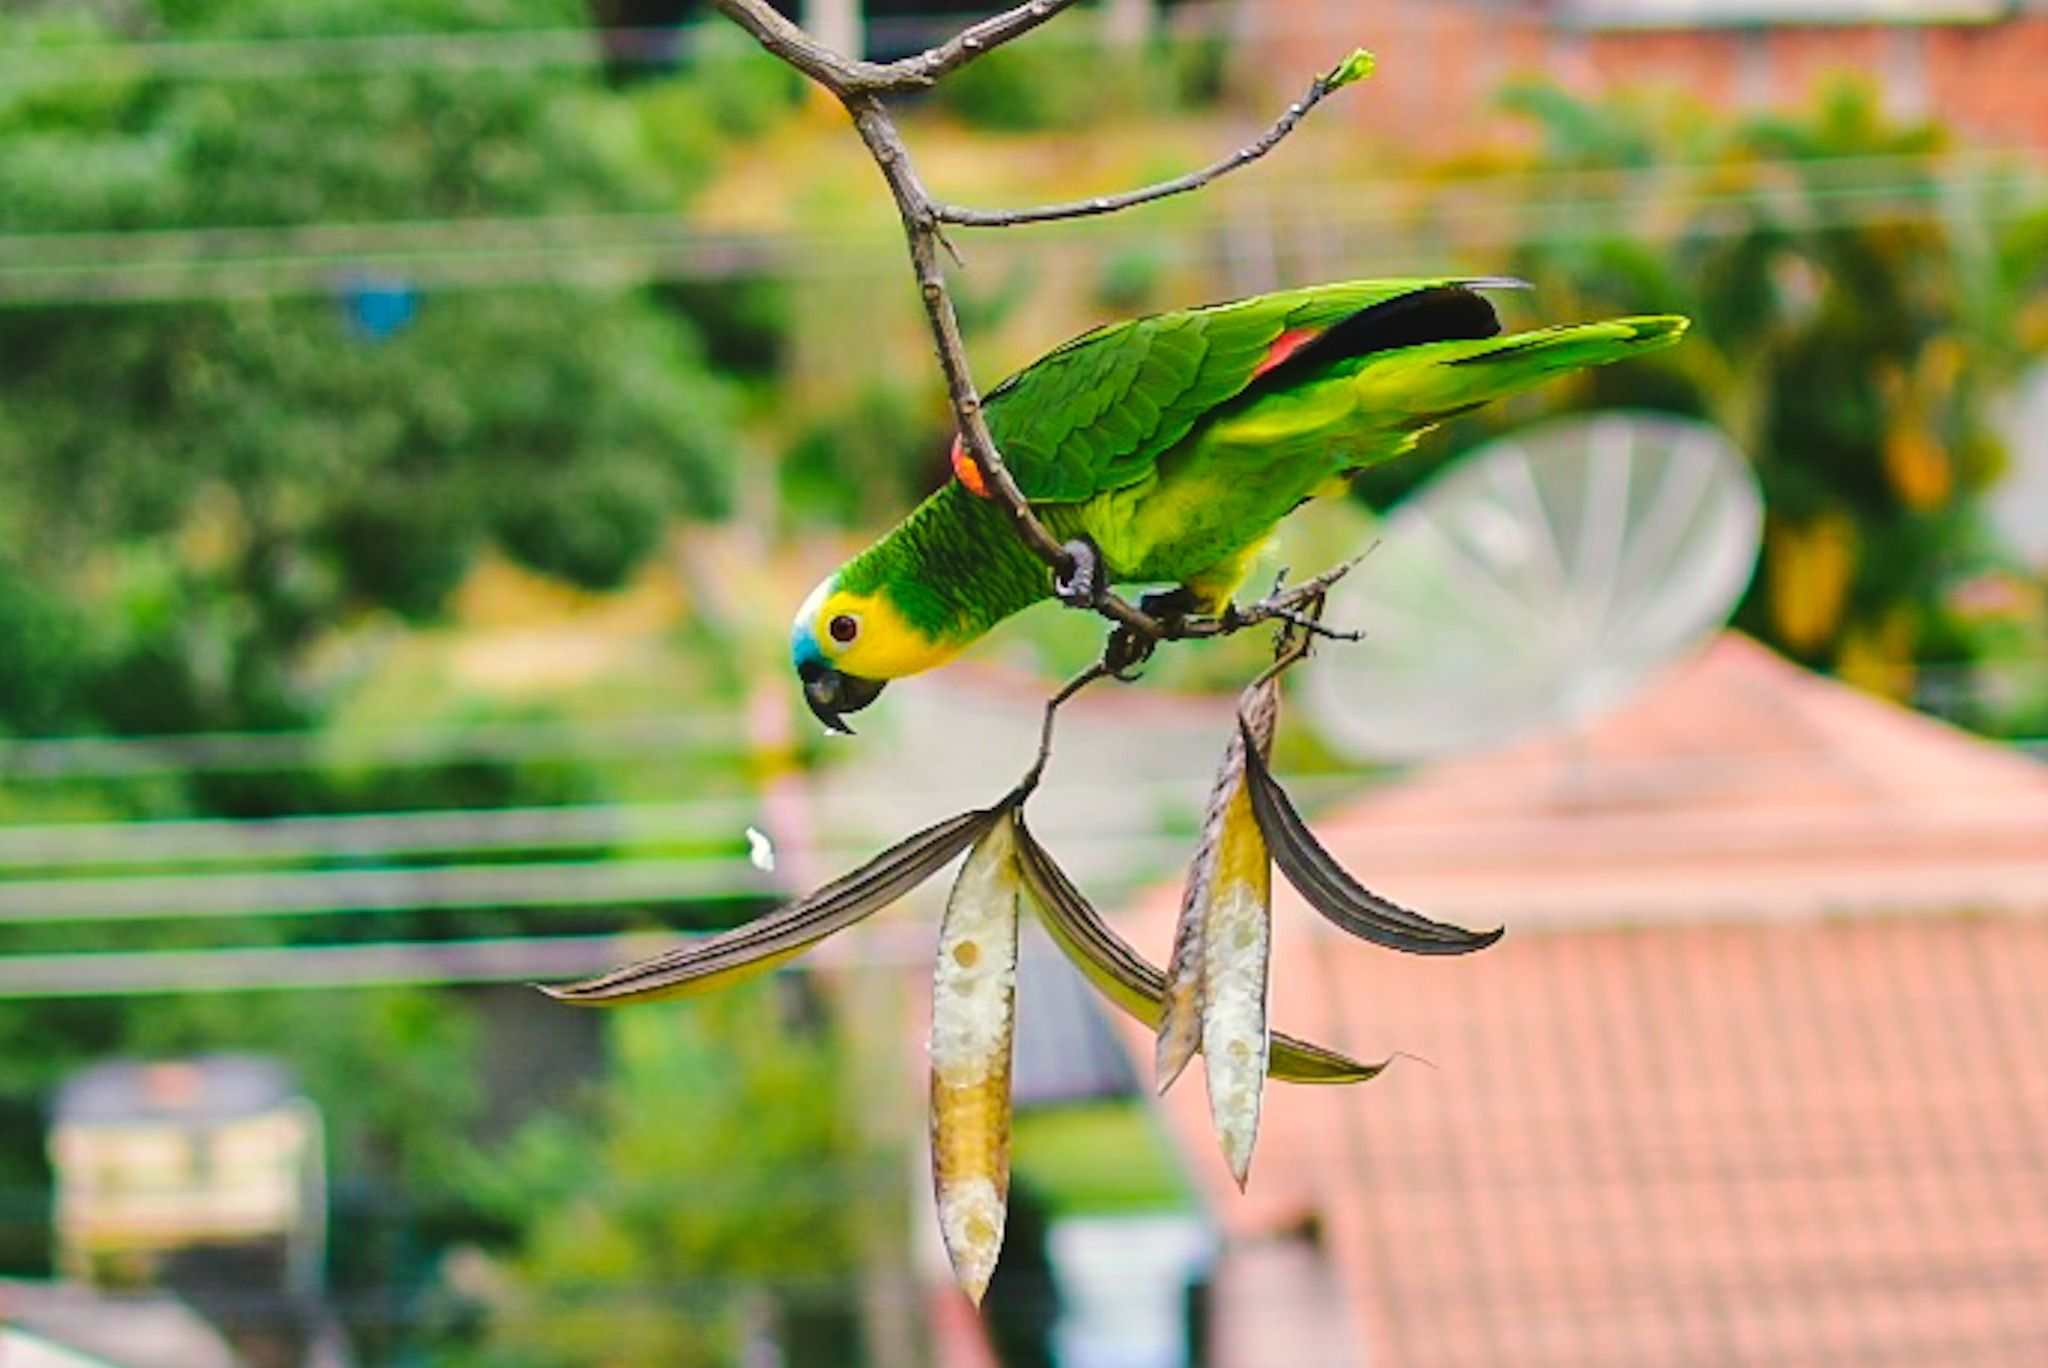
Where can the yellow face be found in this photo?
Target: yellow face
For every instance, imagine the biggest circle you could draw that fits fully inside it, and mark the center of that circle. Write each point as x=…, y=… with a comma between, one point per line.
x=862, y=635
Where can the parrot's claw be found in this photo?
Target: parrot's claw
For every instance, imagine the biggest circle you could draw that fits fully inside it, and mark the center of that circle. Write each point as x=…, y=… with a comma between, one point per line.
x=1085, y=587
x=1170, y=608
x=1124, y=652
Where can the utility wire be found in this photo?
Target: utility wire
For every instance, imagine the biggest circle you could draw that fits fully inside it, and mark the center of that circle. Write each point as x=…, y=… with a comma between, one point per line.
x=622, y=249
x=518, y=959
x=450, y=52
x=103, y=757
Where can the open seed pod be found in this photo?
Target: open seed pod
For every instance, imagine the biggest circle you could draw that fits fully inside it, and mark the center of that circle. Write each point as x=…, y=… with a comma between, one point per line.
x=1123, y=976
x=1218, y=980
x=974, y=1018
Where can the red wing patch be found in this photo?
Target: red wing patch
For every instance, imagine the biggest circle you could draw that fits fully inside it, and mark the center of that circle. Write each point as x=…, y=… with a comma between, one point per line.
x=966, y=471
x=1284, y=346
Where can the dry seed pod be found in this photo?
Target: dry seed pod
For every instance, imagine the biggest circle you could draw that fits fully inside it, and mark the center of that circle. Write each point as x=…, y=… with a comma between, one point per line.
x=1230, y=902
x=974, y=1007
x=1123, y=976
x=722, y=960
x=1324, y=885
x=1214, y=883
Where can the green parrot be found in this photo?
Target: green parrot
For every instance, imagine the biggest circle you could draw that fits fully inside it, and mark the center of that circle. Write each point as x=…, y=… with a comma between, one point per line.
x=1164, y=450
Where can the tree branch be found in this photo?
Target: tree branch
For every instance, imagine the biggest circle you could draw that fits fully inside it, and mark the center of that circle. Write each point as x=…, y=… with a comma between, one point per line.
x=971, y=42
x=859, y=86
x=1179, y=185
x=885, y=144
x=845, y=76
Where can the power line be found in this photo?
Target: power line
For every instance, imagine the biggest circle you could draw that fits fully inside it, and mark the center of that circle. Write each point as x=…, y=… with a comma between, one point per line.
x=376, y=54
x=518, y=959
x=563, y=883
x=450, y=52
x=566, y=884
x=386, y=964
x=97, y=757
x=382, y=835
x=622, y=249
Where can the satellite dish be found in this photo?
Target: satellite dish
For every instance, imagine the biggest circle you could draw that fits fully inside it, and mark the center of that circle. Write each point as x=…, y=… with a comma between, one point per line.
x=1536, y=583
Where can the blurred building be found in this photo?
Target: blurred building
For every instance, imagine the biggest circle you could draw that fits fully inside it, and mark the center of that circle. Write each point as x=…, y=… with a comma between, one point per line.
x=1759, y=1075
x=163, y=1161
x=191, y=1218
x=1976, y=63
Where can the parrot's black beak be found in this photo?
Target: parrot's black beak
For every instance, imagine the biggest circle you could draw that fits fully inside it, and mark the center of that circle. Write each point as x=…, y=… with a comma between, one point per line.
x=831, y=694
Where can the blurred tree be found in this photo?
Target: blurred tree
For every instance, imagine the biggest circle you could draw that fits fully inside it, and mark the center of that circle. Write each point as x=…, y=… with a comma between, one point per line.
x=1068, y=78
x=722, y=1189
x=1853, y=318
x=197, y=491
x=206, y=487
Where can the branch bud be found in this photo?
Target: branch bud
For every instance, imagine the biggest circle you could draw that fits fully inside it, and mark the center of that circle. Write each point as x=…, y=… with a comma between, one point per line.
x=1356, y=67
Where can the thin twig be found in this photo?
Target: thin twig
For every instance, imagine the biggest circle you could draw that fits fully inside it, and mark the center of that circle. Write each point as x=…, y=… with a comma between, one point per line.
x=1179, y=185
x=1029, y=782
x=971, y=42
x=845, y=76
x=1288, y=605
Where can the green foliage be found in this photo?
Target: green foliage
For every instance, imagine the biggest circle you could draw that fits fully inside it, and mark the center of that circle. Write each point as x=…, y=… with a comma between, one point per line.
x=1096, y=1158
x=1077, y=83
x=36, y=647
x=210, y=501
x=212, y=485
x=1129, y=281
x=1848, y=335
x=849, y=465
x=740, y=91
x=722, y=1185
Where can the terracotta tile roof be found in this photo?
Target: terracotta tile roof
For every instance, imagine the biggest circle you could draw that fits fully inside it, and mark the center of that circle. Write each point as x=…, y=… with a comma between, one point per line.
x=1804, y=1144
x=1781, y=1140
x=1738, y=786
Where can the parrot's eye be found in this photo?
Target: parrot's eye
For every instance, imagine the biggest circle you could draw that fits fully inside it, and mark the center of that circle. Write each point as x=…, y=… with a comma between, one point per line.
x=843, y=628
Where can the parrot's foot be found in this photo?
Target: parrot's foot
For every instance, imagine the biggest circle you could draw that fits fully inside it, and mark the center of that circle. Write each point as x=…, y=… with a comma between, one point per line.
x=1088, y=583
x=1171, y=608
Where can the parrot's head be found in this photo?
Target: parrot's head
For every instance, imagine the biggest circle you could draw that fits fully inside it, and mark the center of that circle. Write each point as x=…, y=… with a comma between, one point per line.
x=847, y=643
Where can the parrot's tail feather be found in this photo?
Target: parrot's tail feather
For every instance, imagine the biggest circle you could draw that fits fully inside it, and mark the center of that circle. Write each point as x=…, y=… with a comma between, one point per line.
x=1572, y=345
x=1433, y=383
x=1372, y=407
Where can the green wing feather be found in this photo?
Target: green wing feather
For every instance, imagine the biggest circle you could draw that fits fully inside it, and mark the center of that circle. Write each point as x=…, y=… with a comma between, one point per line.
x=1096, y=414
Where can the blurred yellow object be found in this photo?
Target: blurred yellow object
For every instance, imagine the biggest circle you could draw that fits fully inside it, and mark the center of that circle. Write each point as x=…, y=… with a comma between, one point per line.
x=1879, y=658
x=1809, y=565
x=1941, y=364
x=1918, y=466
x=2031, y=327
